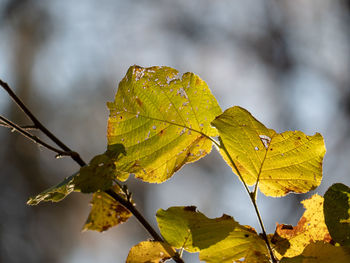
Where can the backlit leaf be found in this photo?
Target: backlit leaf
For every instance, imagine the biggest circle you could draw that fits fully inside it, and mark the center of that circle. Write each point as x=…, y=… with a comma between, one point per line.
x=156, y=115
x=106, y=212
x=241, y=243
x=150, y=252
x=54, y=194
x=217, y=240
x=290, y=241
x=98, y=175
x=254, y=256
x=320, y=252
x=282, y=163
x=337, y=213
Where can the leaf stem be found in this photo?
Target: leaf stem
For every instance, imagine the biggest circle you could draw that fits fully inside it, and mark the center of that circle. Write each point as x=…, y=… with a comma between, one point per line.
x=75, y=156
x=222, y=146
x=264, y=235
x=252, y=196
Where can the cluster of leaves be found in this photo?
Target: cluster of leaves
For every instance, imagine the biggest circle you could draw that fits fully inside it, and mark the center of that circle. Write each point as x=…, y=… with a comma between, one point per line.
x=160, y=121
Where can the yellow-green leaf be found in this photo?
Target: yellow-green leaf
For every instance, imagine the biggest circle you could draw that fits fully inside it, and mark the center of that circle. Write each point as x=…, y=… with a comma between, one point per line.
x=290, y=241
x=55, y=193
x=161, y=119
x=337, y=213
x=280, y=162
x=242, y=243
x=254, y=256
x=320, y=252
x=98, y=175
x=150, y=252
x=106, y=212
x=217, y=240
x=184, y=227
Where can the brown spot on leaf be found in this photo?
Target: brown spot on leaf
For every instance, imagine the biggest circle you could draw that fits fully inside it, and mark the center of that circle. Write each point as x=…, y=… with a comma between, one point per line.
x=191, y=208
x=287, y=227
x=104, y=228
x=225, y=217
x=290, y=231
x=241, y=168
x=138, y=101
x=136, y=164
x=250, y=229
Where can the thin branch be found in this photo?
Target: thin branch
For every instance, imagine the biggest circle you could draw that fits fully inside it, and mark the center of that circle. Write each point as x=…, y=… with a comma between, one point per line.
x=252, y=196
x=128, y=205
x=76, y=157
x=222, y=146
x=24, y=127
x=264, y=235
x=136, y=213
x=255, y=192
x=31, y=137
x=38, y=124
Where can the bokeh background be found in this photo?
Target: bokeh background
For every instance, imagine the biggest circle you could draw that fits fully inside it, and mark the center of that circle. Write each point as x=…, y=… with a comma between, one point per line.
x=287, y=62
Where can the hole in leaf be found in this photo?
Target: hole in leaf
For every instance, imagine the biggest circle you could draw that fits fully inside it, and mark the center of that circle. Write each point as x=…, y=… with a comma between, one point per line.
x=265, y=140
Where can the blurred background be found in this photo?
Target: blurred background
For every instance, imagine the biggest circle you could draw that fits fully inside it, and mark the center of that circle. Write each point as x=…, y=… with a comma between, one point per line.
x=287, y=62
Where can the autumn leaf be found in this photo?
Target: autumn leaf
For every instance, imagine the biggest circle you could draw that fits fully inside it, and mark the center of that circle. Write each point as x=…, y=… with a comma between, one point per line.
x=54, y=194
x=162, y=120
x=290, y=241
x=97, y=175
x=337, y=213
x=254, y=256
x=217, y=240
x=280, y=162
x=242, y=244
x=150, y=252
x=320, y=252
x=106, y=212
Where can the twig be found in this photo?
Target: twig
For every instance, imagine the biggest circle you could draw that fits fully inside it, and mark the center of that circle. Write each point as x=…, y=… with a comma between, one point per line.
x=264, y=235
x=24, y=127
x=38, y=124
x=76, y=157
x=32, y=137
x=252, y=196
x=128, y=205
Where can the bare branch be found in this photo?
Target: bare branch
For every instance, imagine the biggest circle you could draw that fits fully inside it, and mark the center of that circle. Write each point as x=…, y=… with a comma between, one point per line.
x=29, y=136
x=24, y=127
x=37, y=123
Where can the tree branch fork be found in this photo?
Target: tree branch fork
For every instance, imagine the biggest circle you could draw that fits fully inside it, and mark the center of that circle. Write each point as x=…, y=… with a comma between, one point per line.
x=64, y=151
